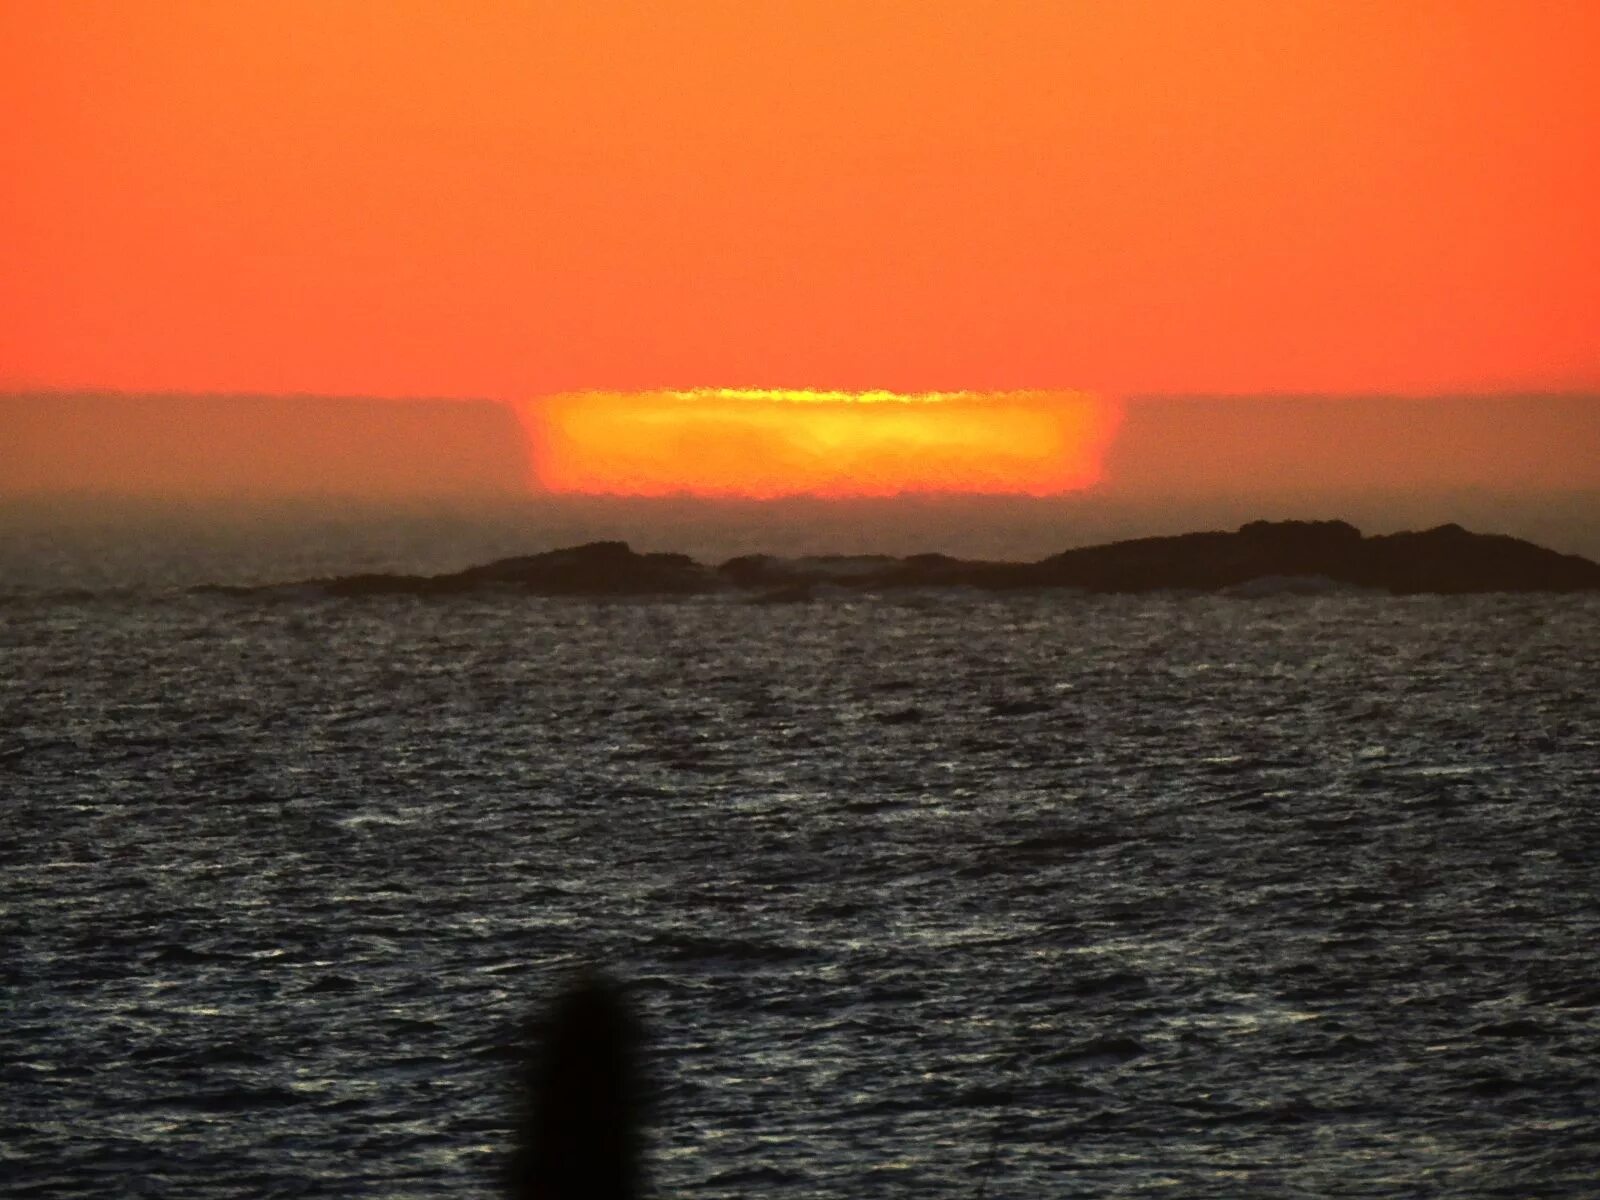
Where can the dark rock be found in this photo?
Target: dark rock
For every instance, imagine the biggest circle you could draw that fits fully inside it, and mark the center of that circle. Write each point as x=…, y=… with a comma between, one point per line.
x=794, y=593
x=1102, y=1050
x=900, y=716
x=1447, y=559
x=1322, y=554
x=593, y=569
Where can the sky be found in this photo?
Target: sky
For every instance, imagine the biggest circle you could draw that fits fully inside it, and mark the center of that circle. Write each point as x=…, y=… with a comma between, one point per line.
x=403, y=199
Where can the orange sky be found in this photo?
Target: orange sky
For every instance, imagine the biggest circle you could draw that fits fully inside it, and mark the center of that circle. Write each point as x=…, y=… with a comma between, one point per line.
x=455, y=199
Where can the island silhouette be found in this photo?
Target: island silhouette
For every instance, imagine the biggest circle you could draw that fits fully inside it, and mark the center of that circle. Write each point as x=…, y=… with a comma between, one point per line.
x=1262, y=557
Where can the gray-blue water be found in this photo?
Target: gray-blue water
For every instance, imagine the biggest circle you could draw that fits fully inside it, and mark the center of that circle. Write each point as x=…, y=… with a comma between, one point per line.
x=1164, y=896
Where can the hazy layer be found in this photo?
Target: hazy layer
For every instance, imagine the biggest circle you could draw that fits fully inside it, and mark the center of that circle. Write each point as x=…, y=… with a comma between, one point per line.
x=182, y=489
x=207, y=447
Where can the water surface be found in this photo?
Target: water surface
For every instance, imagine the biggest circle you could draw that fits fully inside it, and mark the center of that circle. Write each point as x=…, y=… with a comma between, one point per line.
x=1135, y=896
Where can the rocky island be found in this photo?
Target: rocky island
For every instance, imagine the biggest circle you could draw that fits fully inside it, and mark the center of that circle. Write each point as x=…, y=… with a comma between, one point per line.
x=1260, y=556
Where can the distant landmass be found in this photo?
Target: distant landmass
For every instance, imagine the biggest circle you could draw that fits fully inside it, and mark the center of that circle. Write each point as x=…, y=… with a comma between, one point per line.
x=1260, y=557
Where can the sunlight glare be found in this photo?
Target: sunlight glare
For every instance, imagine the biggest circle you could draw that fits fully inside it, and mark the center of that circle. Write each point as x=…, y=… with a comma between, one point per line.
x=762, y=444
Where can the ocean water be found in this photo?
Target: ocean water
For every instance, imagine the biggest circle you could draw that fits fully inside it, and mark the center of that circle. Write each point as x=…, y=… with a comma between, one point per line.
x=1037, y=895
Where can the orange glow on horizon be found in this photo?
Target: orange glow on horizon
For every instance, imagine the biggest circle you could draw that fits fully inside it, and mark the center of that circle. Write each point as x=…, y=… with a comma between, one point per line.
x=762, y=444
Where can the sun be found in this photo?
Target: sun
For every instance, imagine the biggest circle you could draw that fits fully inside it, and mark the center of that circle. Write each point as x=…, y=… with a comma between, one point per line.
x=769, y=443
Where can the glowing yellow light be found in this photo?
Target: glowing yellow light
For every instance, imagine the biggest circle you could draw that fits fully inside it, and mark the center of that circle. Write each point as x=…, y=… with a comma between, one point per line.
x=765, y=444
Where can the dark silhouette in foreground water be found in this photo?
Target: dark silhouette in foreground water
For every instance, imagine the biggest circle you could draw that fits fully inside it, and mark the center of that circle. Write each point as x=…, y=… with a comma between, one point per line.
x=578, y=1135
x=1296, y=555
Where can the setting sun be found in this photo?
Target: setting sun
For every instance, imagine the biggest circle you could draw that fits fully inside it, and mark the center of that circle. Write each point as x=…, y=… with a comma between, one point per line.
x=768, y=443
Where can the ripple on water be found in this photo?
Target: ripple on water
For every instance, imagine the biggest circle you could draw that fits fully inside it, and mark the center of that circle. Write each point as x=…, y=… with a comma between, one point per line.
x=1155, y=895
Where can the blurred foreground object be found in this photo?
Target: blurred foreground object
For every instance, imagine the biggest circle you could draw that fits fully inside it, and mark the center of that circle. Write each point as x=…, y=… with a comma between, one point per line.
x=578, y=1136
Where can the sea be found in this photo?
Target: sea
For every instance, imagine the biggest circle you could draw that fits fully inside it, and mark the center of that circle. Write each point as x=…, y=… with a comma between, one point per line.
x=934, y=894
